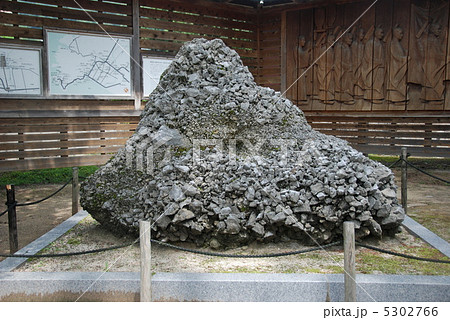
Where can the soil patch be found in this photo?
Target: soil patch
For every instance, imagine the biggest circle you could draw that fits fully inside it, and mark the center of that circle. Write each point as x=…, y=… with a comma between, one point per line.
x=428, y=200
x=36, y=220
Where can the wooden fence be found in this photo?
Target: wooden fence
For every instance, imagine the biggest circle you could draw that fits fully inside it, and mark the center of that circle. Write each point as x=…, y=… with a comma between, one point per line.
x=41, y=133
x=270, y=51
x=425, y=135
x=35, y=140
x=166, y=25
x=48, y=132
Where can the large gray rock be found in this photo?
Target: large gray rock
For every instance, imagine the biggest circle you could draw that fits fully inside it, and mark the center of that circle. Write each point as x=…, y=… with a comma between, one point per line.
x=218, y=160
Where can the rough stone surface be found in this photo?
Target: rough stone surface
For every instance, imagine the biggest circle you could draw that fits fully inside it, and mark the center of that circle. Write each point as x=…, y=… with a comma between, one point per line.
x=227, y=162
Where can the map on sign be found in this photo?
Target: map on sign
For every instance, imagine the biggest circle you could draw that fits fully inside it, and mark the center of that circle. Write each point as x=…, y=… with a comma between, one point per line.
x=20, y=71
x=86, y=64
x=153, y=67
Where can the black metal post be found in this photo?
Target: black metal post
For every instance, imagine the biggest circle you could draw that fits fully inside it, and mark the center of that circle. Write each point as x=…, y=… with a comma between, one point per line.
x=75, y=190
x=404, y=180
x=12, y=220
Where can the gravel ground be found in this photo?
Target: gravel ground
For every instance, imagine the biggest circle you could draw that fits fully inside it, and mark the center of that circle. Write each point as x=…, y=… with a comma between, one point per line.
x=90, y=235
x=428, y=203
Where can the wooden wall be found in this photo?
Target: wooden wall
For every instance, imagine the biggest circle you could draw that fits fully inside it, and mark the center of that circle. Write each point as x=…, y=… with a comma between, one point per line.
x=166, y=25
x=48, y=132
x=378, y=93
x=393, y=59
x=270, y=50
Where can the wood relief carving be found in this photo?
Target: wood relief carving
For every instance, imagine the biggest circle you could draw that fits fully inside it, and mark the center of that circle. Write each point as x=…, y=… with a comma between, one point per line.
x=357, y=57
x=304, y=61
x=325, y=68
x=434, y=66
x=398, y=65
x=428, y=50
x=344, y=80
x=373, y=66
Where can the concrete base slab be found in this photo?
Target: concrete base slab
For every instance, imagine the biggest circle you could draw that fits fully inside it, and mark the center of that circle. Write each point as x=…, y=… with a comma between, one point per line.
x=124, y=286
x=426, y=235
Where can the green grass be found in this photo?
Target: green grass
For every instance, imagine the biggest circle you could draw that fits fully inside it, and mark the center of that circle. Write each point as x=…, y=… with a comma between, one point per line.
x=43, y=176
x=422, y=162
x=370, y=262
x=383, y=159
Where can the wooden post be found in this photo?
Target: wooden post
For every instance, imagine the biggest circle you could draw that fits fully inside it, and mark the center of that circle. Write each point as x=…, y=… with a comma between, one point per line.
x=75, y=190
x=12, y=220
x=136, y=56
x=349, y=262
x=283, y=53
x=404, y=180
x=146, y=261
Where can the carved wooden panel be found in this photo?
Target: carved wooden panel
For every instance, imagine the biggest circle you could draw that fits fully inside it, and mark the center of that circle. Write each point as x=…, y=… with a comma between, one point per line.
x=447, y=82
x=396, y=57
x=304, y=60
x=292, y=24
x=396, y=84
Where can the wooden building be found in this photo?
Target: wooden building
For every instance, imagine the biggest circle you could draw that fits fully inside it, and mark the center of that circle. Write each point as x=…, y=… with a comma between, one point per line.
x=376, y=73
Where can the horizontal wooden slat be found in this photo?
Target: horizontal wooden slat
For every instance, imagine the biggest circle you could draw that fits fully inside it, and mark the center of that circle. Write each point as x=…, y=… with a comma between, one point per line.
x=20, y=32
x=175, y=46
x=269, y=53
x=67, y=127
x=64, y=136
x=57, y=152
x=424, y=134
x=205, y=8
x=270, y=60
x=202, y=28
x=414, y=151
x=31, y=164
x=92, y=5
x=269, y=72
x=400, y=141
x=250, y=62
x=69, y=114
x=61, y=144
x=384, y=126
x=197, y=19
x=49, y=22
x=372, y=116
x=208, y=33
x=86, y=120
x=160, y=45
x=386, y=133
x=269, y=82
x=64, y=13
x=53, y=105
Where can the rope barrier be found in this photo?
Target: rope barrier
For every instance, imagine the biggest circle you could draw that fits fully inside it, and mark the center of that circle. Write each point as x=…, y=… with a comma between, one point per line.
x=222, y=255
x=4, y=212
x=213, y=254
x=48, y=197
x=227, y=255
x=395, y=163
x=424, y=172
x=15, y=204
x=217, y=254
x=417, y=168
x=400, y=254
